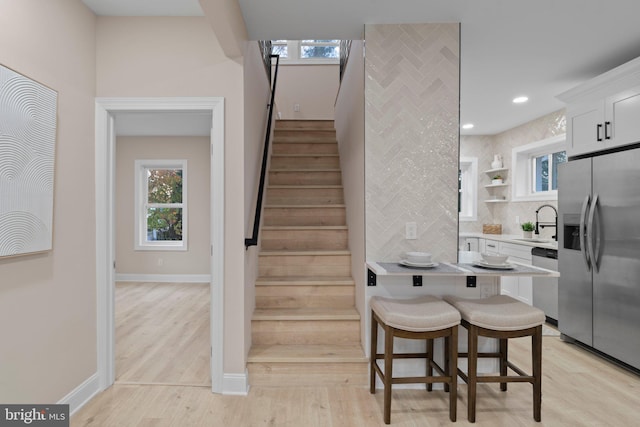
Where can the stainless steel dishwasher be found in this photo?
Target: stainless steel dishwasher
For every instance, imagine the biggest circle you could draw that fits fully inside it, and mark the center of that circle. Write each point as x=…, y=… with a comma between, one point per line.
x=545, y=289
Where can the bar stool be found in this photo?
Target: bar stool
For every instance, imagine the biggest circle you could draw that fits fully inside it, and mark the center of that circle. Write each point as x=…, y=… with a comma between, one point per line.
x=500, y=317
x=422, y=318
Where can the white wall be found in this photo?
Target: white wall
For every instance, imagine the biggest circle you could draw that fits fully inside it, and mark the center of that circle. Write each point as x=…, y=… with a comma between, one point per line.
x=180, y=56
x=48, y=301
x=257, y=93
x=349, y=124
x=195, y=260
x=313, y=87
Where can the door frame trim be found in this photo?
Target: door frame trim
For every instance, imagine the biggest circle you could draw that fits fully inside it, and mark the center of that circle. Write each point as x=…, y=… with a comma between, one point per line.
x=105, y=224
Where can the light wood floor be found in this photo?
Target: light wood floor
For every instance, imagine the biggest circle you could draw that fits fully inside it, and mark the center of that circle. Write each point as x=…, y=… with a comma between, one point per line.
x=162, y=333
x=579, y=389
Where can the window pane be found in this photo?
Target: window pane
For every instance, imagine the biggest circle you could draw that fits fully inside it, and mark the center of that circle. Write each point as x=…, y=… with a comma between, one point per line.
x=542, y=173
x=320, y=52
x=321, y=41
x=559, y=157
x=280, y=49
x=164, y=224
x=307, y=51
x=164, y=185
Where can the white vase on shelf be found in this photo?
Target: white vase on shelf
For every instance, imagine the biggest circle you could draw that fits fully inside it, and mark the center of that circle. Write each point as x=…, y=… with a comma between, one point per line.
x=497, y=162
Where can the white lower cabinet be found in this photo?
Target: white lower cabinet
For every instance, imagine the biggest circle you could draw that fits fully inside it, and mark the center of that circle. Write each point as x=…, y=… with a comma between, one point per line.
x=520, y=288
x=491, y=247
x=470, y=244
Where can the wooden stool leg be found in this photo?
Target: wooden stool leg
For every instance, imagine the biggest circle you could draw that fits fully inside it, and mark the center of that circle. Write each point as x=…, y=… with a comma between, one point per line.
x=473, y=372
x=373, y=352
x=429, y=365
x=388, y=372
x=452, y=370
x=536, y=350
x=504, y=349
x=447, y=359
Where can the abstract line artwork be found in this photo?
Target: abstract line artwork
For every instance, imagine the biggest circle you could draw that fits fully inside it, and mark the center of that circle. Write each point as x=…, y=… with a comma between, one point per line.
x=28, y=112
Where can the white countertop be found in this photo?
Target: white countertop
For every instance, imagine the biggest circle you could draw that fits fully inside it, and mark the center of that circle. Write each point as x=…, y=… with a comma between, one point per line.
x=515, y=239
x=459, y=269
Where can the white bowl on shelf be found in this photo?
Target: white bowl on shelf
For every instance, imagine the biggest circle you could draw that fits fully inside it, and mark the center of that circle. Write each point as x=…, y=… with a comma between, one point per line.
x=494, y=259
x=418, y=257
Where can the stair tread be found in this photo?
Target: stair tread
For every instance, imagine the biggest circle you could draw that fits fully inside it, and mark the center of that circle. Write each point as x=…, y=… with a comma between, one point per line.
x=304, y=281
x=304, y=227
x=305, y=252
x=306, y=155
x=328, y=206
x=306, y=313
x=315, y=353
x=305, y=186
x=305, y=170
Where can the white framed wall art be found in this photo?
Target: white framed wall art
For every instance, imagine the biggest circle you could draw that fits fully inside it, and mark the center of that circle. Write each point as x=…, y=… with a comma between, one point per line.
x=28, y=113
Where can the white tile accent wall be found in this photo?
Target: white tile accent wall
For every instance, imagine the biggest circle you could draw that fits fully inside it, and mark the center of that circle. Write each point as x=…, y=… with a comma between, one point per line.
x=411, y=134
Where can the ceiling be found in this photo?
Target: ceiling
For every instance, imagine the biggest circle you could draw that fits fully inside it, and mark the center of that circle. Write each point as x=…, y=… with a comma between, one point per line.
x=509, y=48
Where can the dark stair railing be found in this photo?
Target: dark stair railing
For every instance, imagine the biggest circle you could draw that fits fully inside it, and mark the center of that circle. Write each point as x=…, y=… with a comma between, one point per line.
x=253, y=240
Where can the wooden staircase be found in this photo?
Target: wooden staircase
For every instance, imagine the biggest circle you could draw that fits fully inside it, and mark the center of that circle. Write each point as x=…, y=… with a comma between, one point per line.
x=305, y=329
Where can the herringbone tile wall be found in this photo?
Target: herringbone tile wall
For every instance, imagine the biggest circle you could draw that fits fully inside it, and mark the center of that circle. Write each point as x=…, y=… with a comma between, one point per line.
x=411, y=133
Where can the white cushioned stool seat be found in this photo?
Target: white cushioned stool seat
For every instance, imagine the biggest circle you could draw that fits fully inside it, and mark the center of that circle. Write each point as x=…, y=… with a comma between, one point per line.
x=420, y=314
x=499, y=312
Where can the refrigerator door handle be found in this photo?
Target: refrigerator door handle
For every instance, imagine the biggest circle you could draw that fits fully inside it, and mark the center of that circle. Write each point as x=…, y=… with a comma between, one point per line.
x=583, y=231
x=593, y=251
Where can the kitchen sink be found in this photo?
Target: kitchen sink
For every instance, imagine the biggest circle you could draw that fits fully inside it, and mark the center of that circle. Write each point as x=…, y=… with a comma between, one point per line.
x=534, y=240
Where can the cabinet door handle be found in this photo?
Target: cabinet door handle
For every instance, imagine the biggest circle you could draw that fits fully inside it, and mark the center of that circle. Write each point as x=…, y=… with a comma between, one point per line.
x=607, y=127
x=598, y=128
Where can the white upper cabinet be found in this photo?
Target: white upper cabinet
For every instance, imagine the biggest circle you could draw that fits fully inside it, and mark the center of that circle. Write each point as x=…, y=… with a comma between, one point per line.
x=584, y=128
x=623, y=113
x=604, y=112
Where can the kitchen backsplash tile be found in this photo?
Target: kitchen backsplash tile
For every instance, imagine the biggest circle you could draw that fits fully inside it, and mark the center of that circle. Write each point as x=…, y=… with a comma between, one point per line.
x=484, y=147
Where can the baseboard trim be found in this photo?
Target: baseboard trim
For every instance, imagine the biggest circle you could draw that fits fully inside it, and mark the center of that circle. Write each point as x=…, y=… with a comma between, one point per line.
x=82, y=394
x=165, y=278
x=236, y=384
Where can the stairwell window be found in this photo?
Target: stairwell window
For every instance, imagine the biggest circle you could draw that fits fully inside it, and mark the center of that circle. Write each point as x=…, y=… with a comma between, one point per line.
x=307, y=51
x=161, y=205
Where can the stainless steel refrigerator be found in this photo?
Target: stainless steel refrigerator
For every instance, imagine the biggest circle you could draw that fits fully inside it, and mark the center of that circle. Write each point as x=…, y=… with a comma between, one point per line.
x=599, y=253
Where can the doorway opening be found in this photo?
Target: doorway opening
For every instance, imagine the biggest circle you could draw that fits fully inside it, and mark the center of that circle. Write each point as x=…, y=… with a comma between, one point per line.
x=107, y=112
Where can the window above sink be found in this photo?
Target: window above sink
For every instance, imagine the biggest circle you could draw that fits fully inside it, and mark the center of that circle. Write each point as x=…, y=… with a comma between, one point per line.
x=535, y=167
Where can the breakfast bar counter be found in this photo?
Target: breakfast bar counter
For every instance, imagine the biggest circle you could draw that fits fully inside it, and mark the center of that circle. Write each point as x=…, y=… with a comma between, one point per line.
x=375, y=269
x=464, y=279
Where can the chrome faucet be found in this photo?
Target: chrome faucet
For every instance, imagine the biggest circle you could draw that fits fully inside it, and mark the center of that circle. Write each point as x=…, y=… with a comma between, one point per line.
x=547, y=224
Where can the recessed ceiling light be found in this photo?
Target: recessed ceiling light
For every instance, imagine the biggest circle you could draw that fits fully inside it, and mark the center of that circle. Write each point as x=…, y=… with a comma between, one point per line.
x=520, y=99
x=467, y=126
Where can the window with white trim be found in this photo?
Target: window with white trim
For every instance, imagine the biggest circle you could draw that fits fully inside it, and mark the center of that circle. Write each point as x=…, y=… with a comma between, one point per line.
x=535, y=169
x=545, y=171
x=161, y=205
x=307, y=51
x=468, y=189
